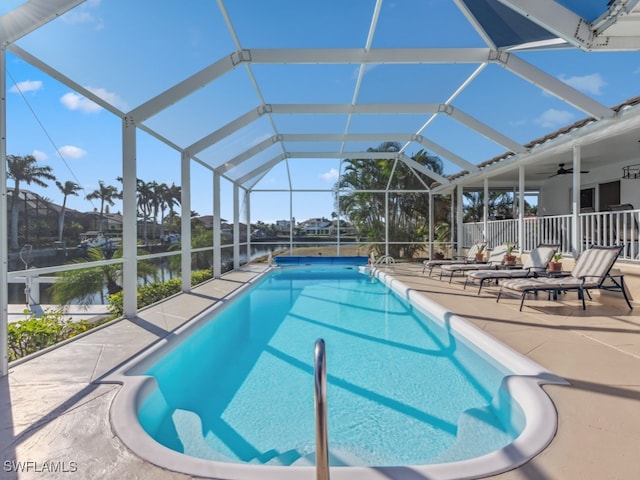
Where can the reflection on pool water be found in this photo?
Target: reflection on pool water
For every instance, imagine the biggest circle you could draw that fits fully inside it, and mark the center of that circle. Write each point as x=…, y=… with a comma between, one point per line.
x=404, y=388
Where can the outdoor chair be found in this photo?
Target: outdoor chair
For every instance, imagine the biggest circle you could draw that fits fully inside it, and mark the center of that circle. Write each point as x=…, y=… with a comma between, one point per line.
x=537, y=263
x=496, y=258
x=591, y=271
x=470, y=257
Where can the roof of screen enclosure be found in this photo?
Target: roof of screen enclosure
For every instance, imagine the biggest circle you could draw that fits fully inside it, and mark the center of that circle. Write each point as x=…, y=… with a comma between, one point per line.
x=336, y=68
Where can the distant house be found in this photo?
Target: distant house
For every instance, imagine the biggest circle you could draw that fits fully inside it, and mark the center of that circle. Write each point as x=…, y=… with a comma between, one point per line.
x=345, y=228
x=316, y=226
x=207, y=221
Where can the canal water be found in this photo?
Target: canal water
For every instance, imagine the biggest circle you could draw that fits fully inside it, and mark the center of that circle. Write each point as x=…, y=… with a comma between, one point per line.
x=164, y=271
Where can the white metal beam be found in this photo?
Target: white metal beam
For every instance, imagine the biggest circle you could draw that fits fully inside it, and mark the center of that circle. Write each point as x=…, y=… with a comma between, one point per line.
x=30, y=16
x=53, y=73
x=345, y=108
x=217, y=240
x=129, y=219
x=236, y=227
x=462, y=6
x=422, y=169
x=484, y=129
x=554, y=86
x=185, y=220
x=184, y=88
x=4, y=243
x=521, y=207
x=247, y=154
x=443, y=152
x=576, y=236
x=262, y=168
x=337, y=56
x=555, y=18
x=576, y=30
x=361, y=71
x=349, y=137
x=228, y=129
x=363, y=155
x=619, y=11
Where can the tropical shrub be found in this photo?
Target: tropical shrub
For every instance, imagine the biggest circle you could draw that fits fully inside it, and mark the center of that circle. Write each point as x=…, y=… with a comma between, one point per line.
x=35, y=333
x=156, y=291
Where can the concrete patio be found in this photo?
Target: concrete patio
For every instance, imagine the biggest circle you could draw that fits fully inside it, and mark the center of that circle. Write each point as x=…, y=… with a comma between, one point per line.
x=54, y=408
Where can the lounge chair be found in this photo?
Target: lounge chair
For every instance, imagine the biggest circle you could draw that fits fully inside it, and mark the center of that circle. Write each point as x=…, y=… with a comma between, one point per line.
x=496, y=258
x=592, y=269
x=470, y=257
x=537, y=262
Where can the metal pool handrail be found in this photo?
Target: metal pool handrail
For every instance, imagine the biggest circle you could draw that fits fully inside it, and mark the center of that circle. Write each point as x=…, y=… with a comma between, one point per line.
x=320, y=397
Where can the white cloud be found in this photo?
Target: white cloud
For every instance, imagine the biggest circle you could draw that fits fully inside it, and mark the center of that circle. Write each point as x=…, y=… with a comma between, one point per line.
x=330, y=176
x=75, y=101
x=553, y=118
x=26, y=86
x=109, y=97
x=518, y=123
x=40, y=155
x=69, y=151
x=82, y=15
x=592, y=84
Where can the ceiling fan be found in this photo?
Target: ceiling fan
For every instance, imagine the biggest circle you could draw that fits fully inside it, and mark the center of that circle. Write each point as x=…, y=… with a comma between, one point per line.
x=565, y=171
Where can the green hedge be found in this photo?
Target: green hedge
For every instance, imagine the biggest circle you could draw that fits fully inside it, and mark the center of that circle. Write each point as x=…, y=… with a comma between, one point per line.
x=156, y=291
x=35, y=333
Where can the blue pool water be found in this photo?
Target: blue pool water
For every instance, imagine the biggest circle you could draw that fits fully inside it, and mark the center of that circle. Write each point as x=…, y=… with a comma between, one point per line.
x=402, y=389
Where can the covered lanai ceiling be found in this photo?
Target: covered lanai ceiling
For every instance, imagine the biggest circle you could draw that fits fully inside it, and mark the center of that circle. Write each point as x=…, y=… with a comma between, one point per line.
x=334, y=78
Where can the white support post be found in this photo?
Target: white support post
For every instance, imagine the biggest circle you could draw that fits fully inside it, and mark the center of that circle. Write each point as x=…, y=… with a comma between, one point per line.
x=290, y=222
x=236, y=226
x=217, y=250
x=459, y=218
x=576, y=237
x=338, y=226
x=521, y=188
x=4, y=243
x=386, y=223
x=247, y=205
x=452, y=219
x=129, y=219
x=485, y=210
x=185, y=220
x=431, y=208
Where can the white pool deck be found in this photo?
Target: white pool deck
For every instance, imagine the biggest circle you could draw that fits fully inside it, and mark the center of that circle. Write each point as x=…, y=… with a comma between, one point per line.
x=54, y=413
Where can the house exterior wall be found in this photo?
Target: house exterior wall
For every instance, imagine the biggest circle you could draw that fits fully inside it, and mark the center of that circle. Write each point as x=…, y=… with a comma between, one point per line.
x=555, y=193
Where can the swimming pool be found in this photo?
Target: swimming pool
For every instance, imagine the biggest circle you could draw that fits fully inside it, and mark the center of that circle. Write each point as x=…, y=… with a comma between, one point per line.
x=408, y=384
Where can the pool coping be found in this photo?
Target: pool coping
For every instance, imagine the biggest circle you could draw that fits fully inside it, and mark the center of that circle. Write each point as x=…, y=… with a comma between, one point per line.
x=524, y=387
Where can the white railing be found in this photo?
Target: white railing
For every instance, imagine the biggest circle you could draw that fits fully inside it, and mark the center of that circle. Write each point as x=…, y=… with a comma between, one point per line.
x=612, y=228
x=498, y=232
x=552, y=230
x=599, y=228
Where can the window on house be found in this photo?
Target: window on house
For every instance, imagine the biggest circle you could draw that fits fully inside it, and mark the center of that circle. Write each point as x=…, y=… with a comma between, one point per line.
x=587, y=199
x=609, y=195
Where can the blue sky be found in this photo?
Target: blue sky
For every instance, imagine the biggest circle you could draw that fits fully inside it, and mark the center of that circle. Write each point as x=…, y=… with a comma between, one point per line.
x=128, y=59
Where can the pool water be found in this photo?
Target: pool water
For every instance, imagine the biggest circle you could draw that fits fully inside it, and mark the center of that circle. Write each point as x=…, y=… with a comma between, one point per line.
x=401, y=388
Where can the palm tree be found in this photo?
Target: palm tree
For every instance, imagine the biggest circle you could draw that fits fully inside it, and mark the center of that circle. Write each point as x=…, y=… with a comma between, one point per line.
x=173, y=199
x=24, y=169
x=69, y=188
x=145, y=194
x=499, y=202
x=106, y=194
x=408, y=212
x=81, y=285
